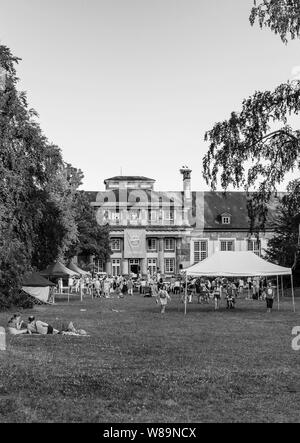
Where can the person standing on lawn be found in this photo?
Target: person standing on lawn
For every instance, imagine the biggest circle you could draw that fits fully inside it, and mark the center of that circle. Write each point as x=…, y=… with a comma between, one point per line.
x=97, y=287
x=270, y=295
x=70, y=283
x=217, y=296
x=163, y=298
x=124, y=288
x=130, y=286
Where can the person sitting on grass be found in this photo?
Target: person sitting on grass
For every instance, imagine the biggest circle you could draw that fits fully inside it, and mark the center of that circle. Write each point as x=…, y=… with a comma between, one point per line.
x=38, y=327
x=16, y=326
x=163, y=298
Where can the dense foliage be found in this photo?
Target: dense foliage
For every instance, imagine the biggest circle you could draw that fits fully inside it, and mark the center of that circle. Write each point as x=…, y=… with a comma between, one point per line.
x=38, y=192
x=284, y=247
x=93, y=239
x=281, y=16
x=256, y=147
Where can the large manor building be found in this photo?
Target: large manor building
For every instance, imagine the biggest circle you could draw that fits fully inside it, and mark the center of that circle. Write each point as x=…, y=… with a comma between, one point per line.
x=152, y=231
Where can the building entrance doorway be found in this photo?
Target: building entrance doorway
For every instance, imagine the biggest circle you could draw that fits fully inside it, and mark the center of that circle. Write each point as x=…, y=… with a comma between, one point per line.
x=134, y=266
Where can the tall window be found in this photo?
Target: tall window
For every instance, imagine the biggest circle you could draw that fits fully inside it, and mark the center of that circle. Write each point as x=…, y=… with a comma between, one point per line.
x=99, y=265
x=152, y=265
x=116, y=244
x=134, y=215
x=152, y=244
x=169, y=244
x=153, y=215
x=169, y=216
x=116, y=267
x=254, y=246
x=227, y=245
x=170, y=265
x=200, y=250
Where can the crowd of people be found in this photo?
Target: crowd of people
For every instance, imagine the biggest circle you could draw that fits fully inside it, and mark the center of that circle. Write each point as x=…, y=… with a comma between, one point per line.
x=118, y=285
x=204, y=290
x=230, y=290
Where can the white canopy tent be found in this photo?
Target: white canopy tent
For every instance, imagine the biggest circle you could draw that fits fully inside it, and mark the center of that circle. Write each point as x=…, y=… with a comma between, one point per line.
x=238, y=264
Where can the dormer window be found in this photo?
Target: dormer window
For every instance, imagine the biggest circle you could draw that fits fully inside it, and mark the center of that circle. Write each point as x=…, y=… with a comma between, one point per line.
x=226, y=219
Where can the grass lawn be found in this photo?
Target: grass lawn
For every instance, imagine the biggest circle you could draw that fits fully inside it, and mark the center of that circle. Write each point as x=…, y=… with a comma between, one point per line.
x=139, y=366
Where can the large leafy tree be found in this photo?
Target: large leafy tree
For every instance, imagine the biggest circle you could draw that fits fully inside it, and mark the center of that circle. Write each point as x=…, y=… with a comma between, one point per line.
x=256, y=147
x=27, y=163
x=284, y=246
x=43, y=216
x=93, y=239
x=281, y=16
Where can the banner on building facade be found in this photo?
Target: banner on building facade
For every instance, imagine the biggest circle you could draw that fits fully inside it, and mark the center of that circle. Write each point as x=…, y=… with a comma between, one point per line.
x=134, y=243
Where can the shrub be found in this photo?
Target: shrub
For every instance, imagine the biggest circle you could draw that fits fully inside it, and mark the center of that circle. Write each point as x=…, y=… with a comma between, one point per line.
x=16, y=298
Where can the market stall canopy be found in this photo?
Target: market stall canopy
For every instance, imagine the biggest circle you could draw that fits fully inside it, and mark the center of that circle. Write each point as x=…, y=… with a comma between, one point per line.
x=236, y=264
x=37, y=286
x=58, y=270
x=36, y=280
x=76, y=269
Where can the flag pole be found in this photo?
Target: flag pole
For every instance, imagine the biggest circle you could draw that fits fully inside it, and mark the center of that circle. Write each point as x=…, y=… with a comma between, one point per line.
x=278, y=293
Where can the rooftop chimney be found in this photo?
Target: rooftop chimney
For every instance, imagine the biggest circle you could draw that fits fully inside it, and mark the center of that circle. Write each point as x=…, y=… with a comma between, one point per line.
x=186, y=172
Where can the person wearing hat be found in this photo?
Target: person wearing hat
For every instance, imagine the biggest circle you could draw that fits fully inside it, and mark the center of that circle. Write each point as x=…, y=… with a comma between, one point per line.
x=38, y=327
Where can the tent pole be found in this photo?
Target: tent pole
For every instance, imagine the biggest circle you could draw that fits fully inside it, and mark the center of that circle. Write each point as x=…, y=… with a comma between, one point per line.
x=278, y=293
x=293, y=294
x=282, y=292
x=185, y=295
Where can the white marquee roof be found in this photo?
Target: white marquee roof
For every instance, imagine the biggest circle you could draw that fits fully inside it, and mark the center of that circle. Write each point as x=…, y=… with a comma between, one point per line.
x=236, y=264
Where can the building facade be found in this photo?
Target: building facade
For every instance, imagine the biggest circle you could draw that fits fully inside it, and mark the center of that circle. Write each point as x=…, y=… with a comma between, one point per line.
x=166, y=232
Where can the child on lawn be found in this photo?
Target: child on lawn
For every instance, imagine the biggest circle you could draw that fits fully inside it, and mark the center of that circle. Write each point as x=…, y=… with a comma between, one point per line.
x=163, y=299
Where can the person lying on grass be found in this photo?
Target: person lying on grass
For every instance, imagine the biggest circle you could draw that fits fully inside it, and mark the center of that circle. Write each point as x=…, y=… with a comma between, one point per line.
x=42, y=328
x=16, y=326
x=38, y=327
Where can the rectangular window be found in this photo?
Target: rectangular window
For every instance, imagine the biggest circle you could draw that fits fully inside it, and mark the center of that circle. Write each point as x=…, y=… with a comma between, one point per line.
x=99, y=265
x=226, y=220
x=200, y=250
x=116, y=267
x=169, y=216
x=152, y=216
x=134, y=261
x=227, y=245
x=254, y=246
x=152, y=265
x=170, y=266
x=169, y=244
x=152, y=244
x=116, y=244
x=134, y=216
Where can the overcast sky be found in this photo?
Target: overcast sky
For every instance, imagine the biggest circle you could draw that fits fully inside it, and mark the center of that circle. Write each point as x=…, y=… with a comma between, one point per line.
x=134, y=84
